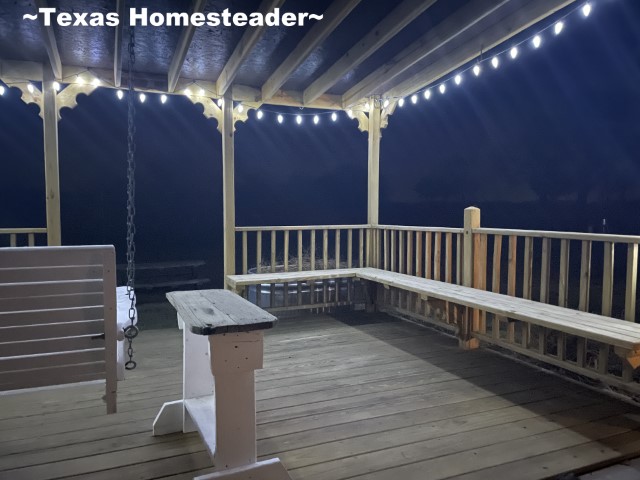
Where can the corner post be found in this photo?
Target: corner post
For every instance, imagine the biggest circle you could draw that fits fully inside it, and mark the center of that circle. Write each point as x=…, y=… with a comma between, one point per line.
x=51, y=165
x=467, y=327
x=228, y=186
x=373, y=189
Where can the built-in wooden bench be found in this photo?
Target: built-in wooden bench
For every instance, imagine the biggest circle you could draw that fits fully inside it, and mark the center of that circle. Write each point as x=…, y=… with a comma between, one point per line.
x=622, y=336
x=58, y=317
x=223, y=340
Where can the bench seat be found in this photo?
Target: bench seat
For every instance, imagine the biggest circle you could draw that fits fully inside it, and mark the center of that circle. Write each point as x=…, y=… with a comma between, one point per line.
x=236, y=282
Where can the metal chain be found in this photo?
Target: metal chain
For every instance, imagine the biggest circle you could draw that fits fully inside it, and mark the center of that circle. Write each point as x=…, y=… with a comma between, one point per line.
x=131, y=330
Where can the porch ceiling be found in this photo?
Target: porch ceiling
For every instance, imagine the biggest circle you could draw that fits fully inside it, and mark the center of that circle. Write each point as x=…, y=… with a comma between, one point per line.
x=360, y=48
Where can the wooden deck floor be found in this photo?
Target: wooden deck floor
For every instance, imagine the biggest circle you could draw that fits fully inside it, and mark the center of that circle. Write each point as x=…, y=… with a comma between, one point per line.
x=361, y=396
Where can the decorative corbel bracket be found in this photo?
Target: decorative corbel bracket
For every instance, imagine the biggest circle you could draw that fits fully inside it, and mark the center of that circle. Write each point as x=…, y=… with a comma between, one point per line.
x=68, y=97
x=28, y=96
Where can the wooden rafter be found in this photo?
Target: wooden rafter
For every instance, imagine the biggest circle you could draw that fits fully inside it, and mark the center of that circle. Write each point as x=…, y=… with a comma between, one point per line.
x=50, y=43
x=243, y=49
x=455, y=25
x=184, y=42
x=501, y=31
x=334, y=15
x=384, y=31
x=117, y=48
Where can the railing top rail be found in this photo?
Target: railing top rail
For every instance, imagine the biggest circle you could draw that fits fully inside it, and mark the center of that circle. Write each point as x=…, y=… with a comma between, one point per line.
x=21, y=231
x=301, y=227
x=594, y=237
x=421, y=229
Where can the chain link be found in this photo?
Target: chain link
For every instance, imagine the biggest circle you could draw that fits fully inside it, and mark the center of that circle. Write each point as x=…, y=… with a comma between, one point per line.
x=131, y=330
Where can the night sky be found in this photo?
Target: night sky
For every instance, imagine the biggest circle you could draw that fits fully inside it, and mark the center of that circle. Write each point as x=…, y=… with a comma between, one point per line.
x=549, y=141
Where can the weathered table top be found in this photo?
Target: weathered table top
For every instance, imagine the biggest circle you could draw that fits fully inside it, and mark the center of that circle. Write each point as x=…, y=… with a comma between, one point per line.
x=214, y=312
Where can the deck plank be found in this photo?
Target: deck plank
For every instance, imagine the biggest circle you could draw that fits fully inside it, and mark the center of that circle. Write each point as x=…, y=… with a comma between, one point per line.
x=339, y=397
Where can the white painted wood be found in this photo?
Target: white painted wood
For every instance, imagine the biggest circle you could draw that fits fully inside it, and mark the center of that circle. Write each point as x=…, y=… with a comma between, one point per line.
x=169, y=418
x=271, y=469
x=184, y=42
x=49, y=41
x=228, y=185
x=202, y=414
x=51, y=167
x=117, y=47
x=373, y=170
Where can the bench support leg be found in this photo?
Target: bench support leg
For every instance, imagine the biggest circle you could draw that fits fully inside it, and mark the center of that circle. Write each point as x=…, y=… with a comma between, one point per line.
x=466, y=341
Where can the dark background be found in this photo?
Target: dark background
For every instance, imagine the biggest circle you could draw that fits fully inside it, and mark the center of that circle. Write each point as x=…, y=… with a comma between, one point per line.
x=550, y=141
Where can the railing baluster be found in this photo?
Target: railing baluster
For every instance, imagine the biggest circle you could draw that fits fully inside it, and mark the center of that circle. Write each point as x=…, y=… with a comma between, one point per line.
x=459, y=259
x=300, y=267
x=313, y=250
x=513, y=266
x=32, y=240
x=419, y=255
x=632, y=282
x=325, y=249
x=349, y=248
x=607, y=279
x=286, y=250
x=480, y=276
x=545, y=270
x=563, y=282
x=273, y=251
x=495, y=282
x=448, y=257
x=337, y=253
x=245, y=262
x=428, y=256
x=527, y=284
x=385, y=246
x=258, y=252
x=401, y=245
x=437, y=256
x=13, y=240
x=585, y=275
x=361, y=255
x=409, y=269
x=393, y=250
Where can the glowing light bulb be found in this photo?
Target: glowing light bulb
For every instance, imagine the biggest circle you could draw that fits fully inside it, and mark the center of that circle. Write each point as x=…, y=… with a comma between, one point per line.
x=80, y=80
x=259, y=114
x=240, y=108
x=163, y=99
x=201, y=92
x=220, y=102
x=537, y=41
x=316, y=119
x=427, y=94
x=414, y=99
x=334, y=117
x=401, y=102
x=477, y=70
x=30, y=88
x=1, y=90
x=586, y=9
x=458, y=79
x=280, y=119
x=350, y=113
x=119, y=94
x=187, y=92
x=299, y=119
x=142, y=97
x=495, y=62
x=557, y=28
x=513, y=53
x=386, y=103
x=56, y=86
x=442, y=88
x=96, y=82
x=367, y=106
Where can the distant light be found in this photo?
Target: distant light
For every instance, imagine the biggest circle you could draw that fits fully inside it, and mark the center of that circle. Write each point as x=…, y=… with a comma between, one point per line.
x=163, y=99
x=259, y=114
x=442, y=88
x=458, y=79
x=220, y=102
x=586, y=9
x=96, y=82
x=386, y=103
x=56, y=86
x=30, y=88
x=367, y=106
x=299, y=119
x=495, y=62
x=401, y=102
x=477, y=70
x=80, y=80
x=142, y=97
x=187, y=92
x=350, y=113
x=240, y=108
x=414, y=99
x=119, y=94
x=557, y=28
x=316, y=119
x=201, y=92
x=427, y=94
x=537, y=41
x=334, y=117
x=513, y=53
x=280, y=119
x=1, y=90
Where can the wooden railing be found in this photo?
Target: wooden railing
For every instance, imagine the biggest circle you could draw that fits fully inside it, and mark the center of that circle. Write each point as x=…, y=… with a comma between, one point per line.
x=16, y=237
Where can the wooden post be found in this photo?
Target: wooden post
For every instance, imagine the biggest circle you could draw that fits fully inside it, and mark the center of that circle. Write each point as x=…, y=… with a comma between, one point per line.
x=51, y=166
x=228, y=187
x=373, y=199
x=471, y=221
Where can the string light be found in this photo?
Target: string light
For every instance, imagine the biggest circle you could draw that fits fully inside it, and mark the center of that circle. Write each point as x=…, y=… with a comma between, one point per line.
x=280, y=119
x=240, y=108
x=299, y=119
x=427, y=94
x=513, y=53
x=96, y=82
x=495, y=62
x=442, y=88
x=220, y=102
x=350, y=113
x=414, y=99
x=119, y=94
x=476, y=70
x=367, y=107
x=80, y=80
x=1, y=90
x=142, y=97
x=163, y=99
x=31, y=88
x=458, y=79
x=537, y=41
x=386, y=103
x=201, y=92
x=401, y=102
x=56, y=86
x=586, y=9
x=316, y=120
x=259, y=114
x=557, y=28
x=334, y=117
x=187, y=92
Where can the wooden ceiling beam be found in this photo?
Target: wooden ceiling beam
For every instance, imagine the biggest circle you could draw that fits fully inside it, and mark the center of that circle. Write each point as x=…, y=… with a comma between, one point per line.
x=333, y=16
x=249, y=39
x=459, y=22
x=384, y=31
x=50, y=43
x=117, y=48
x=529, y=14
x=184, y=42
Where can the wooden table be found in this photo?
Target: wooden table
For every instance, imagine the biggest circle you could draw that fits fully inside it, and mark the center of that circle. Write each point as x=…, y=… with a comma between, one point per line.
x=223, y=345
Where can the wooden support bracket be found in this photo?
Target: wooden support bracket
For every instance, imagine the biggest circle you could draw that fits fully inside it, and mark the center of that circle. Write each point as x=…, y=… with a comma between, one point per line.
x=631, y=357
